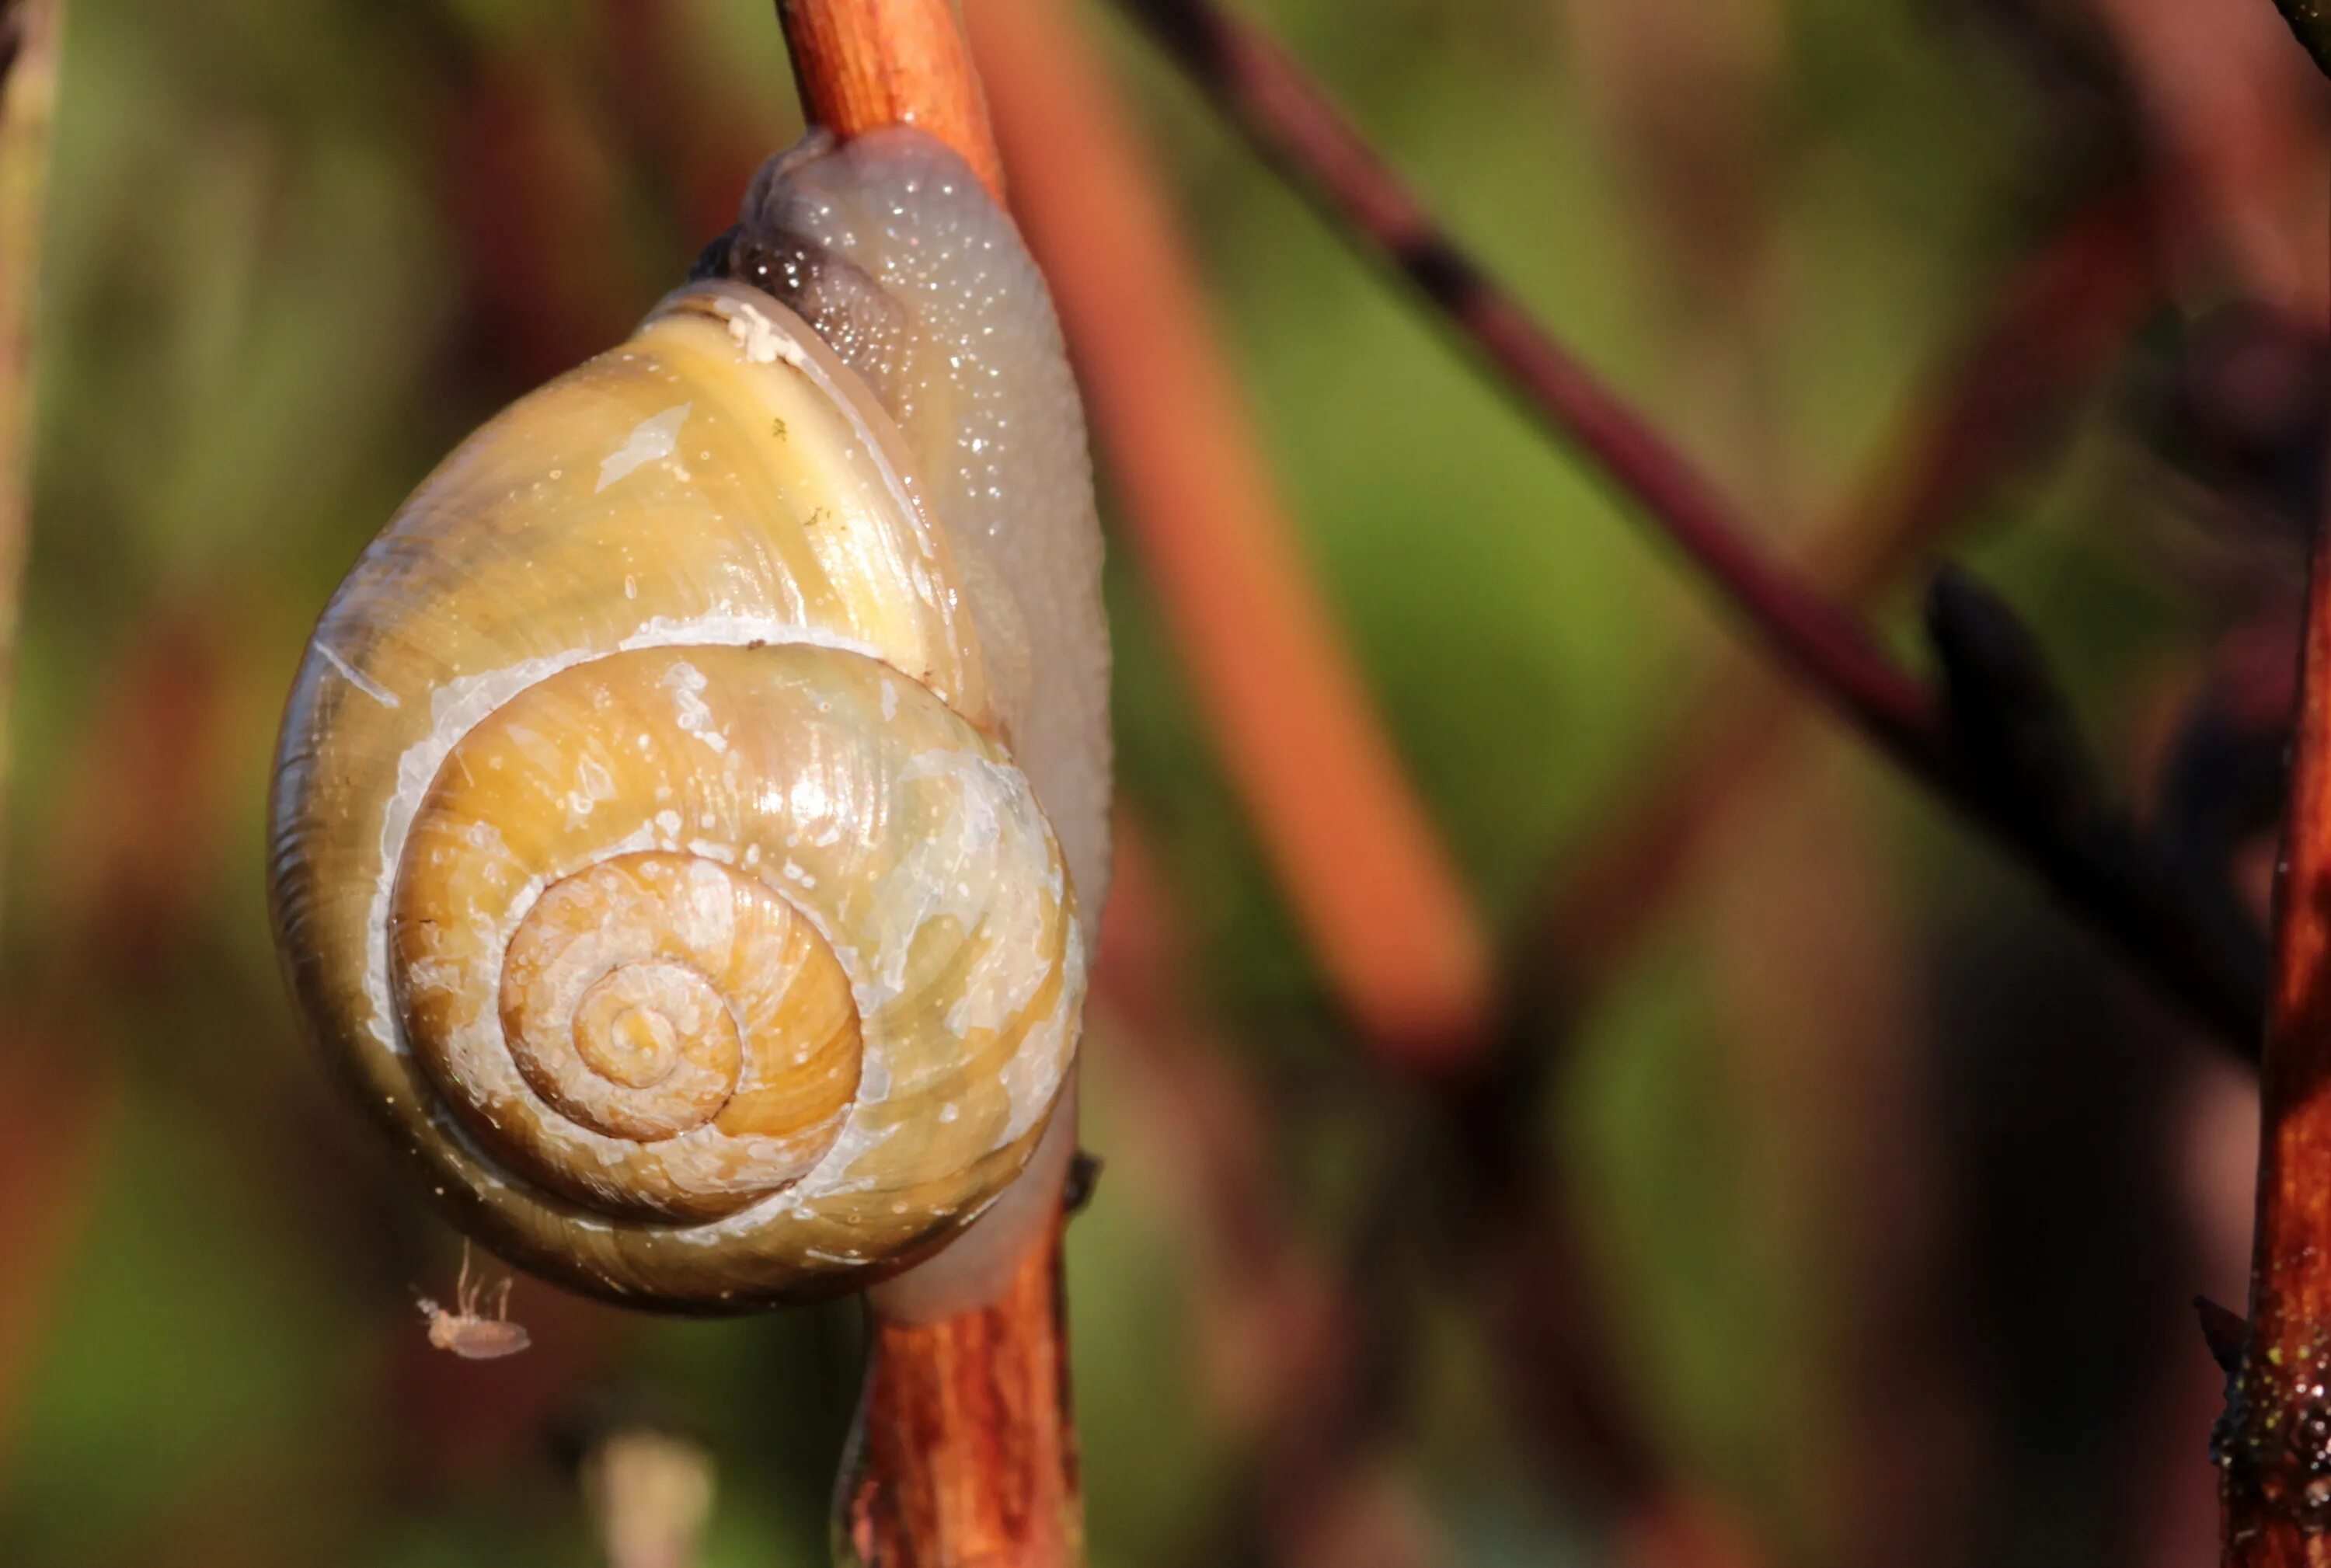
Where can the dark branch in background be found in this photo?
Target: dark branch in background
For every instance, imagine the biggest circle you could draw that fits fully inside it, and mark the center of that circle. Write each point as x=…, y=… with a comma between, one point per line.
x=2014, y=726
x=2096, y=866
x=2031, y=774
x=2311, y=21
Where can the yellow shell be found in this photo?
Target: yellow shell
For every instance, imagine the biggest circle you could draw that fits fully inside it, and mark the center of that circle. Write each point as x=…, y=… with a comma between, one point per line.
x=648, y=841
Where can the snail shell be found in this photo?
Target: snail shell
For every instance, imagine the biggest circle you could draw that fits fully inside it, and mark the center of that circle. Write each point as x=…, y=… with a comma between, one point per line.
x=691, y=809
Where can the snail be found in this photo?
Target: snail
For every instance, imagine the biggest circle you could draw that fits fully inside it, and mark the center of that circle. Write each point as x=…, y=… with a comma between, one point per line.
x=691, y=814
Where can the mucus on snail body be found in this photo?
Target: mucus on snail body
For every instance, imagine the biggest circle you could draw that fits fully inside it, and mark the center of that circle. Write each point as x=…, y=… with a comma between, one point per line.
x=691, y=813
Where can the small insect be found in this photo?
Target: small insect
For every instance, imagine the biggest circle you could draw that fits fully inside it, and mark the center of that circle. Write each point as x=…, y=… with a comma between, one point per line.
x=466, y=1333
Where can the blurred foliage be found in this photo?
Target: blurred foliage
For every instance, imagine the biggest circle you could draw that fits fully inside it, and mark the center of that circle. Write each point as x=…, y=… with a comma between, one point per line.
x=299, y=249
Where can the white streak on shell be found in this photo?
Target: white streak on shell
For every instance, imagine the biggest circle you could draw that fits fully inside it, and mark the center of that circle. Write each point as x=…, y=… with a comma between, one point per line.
x=651, y=440
x=685, y=683
x=357, y=677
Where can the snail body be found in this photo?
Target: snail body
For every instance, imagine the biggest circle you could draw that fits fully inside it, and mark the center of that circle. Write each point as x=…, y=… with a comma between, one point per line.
x=691, y=810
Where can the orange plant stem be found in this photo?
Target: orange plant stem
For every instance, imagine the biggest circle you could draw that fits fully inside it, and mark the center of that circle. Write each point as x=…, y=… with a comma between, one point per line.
x=1361, y=862
x=2273, y=1444
x=966, y=1449
x=968, y=1456
x=864, y=65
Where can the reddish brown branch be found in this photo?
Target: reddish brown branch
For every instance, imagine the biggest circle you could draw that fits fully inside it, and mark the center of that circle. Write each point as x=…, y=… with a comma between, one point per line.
x=967, y=1455
x=2273, y=1444
x=2114, y=882
x=967, y=1448
x=863, y=64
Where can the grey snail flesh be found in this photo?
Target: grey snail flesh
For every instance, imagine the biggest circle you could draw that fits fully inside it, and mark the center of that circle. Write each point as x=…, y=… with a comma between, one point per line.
x=692, y=812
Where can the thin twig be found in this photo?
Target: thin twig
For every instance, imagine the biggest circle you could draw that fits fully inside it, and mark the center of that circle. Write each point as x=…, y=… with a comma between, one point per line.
x=2116, y=884
x=967, y=1448
x=2273, y=1444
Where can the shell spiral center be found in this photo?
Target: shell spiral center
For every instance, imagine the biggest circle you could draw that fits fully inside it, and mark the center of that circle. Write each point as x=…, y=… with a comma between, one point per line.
x=692, y=1031
x=606, y=1013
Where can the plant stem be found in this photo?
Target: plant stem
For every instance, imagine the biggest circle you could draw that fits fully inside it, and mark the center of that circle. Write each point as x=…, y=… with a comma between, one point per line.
x=864, y=65
x=966, y=1452
x=2273, y=1444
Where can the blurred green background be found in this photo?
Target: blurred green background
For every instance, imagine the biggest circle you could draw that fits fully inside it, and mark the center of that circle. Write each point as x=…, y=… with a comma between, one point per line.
x=1893, y=1187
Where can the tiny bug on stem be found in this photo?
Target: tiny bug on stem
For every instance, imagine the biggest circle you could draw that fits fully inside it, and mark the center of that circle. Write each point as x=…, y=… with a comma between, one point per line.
x=463, y=1331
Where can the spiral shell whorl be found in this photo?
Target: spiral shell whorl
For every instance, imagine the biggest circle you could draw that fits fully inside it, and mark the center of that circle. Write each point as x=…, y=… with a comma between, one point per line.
x=592, y=963
x=649, y=997
x=633, y=990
